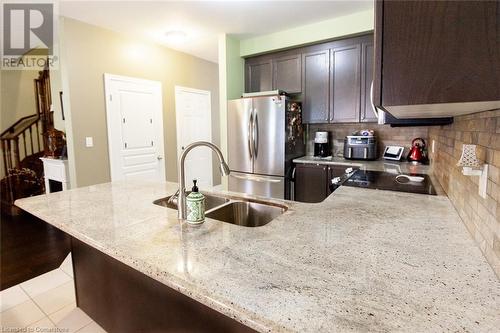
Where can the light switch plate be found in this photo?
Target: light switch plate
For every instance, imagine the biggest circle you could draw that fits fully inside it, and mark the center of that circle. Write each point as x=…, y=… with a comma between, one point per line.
x=89, y=141
x=433, y=146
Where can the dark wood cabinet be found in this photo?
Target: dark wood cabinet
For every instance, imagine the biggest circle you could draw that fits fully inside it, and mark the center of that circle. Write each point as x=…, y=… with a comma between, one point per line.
x=287, y=73
x=316, y=85
x=345, y=83
x=333, y=172
x=311, y=182
x=332, y=79
x=367, y=113
x=433, y=53
x=258, y=75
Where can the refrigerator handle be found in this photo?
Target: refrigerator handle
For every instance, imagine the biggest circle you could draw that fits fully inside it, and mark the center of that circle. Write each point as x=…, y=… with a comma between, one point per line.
x=255, y=178
x=250, y=135
x=255, y=134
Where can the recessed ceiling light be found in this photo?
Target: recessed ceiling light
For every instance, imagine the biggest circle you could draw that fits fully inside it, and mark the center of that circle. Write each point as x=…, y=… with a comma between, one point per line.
x=175, y=36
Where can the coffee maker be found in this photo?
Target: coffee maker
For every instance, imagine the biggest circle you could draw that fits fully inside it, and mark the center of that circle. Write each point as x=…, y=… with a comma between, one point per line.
x=321, y=145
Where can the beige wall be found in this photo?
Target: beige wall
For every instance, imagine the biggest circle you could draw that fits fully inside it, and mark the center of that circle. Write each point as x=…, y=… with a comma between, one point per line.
x=17, y=97
x=480, y=215
x=89, y=52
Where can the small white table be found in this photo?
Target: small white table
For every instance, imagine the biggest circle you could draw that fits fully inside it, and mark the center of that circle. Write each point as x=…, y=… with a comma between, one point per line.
x=57, y=170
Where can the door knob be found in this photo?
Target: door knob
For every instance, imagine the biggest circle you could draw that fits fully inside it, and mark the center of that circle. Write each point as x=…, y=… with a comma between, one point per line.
x=159, y=158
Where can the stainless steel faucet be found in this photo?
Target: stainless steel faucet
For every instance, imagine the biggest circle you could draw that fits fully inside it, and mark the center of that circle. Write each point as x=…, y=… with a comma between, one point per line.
x=224, y=169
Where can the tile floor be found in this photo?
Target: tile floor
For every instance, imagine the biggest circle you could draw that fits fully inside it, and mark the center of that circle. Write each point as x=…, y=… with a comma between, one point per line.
x=45, y=303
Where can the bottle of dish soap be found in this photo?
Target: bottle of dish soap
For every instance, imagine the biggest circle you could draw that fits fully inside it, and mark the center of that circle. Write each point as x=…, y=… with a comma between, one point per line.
x=195, y=204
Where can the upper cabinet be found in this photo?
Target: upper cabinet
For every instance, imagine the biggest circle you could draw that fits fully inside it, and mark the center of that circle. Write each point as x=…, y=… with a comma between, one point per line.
x=316, y=85
x=333, y=79
x=258, y=75
x=287, y=75
x=436, y=58
x=367, y=112
x=345, y=83
x=281, y=71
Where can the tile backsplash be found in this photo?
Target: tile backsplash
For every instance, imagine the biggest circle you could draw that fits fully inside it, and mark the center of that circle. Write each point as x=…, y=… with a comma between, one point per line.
x=386, y=135
x=481, y=216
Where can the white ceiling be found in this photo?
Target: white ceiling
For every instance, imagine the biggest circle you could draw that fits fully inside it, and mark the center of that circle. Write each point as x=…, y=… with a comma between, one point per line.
x=204, y=20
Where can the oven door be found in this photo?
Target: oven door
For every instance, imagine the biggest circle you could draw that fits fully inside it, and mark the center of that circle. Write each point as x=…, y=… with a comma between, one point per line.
x=266, y=186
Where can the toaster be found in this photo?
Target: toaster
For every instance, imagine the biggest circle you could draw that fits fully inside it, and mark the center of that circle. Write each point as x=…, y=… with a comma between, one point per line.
x=360, y=147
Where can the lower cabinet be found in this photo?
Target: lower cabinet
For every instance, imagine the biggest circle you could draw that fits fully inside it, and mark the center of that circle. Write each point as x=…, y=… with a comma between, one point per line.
x=311, y=182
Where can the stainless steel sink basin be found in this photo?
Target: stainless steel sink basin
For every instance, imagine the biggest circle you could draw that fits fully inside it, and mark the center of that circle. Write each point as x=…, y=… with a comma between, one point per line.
x=211, y=201
x=246, y=213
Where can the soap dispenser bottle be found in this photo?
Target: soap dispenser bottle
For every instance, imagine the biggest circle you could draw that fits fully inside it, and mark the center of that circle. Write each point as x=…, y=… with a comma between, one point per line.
x=195, y=204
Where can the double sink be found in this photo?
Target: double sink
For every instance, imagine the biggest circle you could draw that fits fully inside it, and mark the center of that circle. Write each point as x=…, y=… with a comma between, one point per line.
x=238, y=211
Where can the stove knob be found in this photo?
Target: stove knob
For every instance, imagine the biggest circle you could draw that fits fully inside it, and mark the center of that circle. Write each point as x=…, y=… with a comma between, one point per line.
x=348, y=170
x=336, y=180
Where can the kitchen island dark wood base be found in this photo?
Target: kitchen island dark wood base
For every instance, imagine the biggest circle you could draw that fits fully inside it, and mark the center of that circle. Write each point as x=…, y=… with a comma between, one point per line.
x=121, y=299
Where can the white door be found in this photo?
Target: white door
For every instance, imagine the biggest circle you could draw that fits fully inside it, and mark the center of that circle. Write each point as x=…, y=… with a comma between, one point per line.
x=194, y=123
x=135, y=128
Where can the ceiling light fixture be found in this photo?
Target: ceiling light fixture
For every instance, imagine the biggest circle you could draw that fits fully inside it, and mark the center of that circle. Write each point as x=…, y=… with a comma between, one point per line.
x=175, y=36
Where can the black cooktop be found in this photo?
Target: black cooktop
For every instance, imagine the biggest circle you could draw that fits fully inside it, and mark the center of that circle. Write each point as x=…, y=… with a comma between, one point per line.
x=381, y=180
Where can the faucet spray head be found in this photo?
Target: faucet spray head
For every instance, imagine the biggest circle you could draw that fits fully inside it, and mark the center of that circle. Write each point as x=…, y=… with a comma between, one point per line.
x=224, y=169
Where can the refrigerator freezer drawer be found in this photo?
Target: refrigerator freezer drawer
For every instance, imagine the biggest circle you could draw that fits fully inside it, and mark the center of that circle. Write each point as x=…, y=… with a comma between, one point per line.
x=267, y=186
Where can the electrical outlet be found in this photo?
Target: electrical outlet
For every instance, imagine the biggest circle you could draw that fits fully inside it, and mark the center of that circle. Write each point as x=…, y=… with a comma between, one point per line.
x=89, y=141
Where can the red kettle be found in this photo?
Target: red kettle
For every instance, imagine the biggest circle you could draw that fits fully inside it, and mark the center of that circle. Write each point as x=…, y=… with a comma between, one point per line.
x=417, y=150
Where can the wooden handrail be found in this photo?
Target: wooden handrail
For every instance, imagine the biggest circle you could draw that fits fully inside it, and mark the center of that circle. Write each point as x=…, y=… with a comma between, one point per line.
x=11, y=128
x=24, y=139
x=12, y=133
x=26, y=128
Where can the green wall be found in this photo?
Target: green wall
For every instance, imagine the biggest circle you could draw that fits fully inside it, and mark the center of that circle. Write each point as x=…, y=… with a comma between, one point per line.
x=329, y=29
x=231, y=83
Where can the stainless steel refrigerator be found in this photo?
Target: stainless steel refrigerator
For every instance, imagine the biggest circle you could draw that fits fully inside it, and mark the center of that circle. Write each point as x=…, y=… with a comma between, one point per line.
x=264, y=135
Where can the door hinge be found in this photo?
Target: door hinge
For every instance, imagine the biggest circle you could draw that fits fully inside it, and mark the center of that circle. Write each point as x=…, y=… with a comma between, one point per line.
x=124, y=120
x=151, y=120
x=110, y=97
x=125, y=144
x=151, y=143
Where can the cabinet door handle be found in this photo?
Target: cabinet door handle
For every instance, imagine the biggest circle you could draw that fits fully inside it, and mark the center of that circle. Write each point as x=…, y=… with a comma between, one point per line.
x=371, y=101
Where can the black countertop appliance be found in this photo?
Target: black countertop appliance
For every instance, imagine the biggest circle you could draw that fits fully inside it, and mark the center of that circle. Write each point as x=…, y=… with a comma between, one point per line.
x=360, y=147
x=382, y=180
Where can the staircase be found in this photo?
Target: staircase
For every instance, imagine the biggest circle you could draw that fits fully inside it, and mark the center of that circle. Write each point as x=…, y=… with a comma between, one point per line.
x=22, y=146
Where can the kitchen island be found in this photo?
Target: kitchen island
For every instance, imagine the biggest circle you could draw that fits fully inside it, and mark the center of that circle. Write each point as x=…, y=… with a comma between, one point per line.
x=354, y=262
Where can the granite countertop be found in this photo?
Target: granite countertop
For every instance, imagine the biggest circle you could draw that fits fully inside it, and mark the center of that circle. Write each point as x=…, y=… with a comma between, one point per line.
x=377, y=165
x=355, y=262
